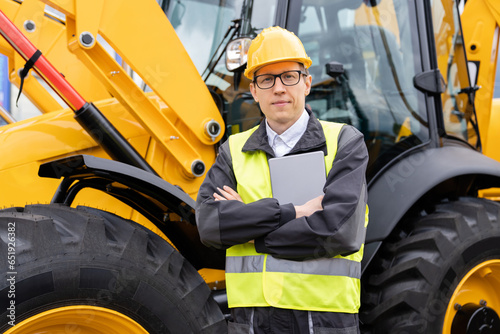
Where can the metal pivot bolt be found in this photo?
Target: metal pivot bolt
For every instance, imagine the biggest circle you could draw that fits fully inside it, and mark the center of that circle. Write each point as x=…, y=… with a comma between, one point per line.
x=198, y=168
x=87, y=39
x=213, y=129
x=29, y=26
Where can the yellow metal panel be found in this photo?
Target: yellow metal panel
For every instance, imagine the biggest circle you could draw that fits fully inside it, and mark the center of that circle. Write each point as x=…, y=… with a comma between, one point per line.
x=491, y=136
x=479, y=25
x=167, y=167
x=88, y=17
x=21, y=185
x=30, y=10
x=57, y=134
x=494, y=7
x=215, y=278
x=27, y=144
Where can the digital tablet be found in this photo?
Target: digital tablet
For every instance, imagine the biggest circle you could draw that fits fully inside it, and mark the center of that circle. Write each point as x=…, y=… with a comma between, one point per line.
x=298, y=178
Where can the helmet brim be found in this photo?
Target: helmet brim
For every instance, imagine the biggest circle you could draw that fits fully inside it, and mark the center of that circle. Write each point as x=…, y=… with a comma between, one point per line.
x=249, y=72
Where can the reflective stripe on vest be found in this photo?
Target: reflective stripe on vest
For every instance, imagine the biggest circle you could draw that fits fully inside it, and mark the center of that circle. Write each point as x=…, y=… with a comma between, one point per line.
x=255, y=279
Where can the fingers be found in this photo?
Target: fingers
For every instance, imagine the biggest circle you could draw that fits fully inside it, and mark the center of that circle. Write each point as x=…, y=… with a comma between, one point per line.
x=227, y=193
x=317, y=200
x=309, y=207
x=315, y=203
x=232, y=193
x=218, y=197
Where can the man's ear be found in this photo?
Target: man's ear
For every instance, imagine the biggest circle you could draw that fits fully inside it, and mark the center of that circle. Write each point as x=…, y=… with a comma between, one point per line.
x=253, y=91
x=308, y=82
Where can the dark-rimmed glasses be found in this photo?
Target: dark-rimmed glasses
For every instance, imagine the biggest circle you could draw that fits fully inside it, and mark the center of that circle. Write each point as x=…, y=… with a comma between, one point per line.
x=288, y=78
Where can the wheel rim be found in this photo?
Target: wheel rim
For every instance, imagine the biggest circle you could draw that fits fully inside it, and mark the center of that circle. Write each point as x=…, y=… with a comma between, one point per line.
x=81, y=319
x=478, y=289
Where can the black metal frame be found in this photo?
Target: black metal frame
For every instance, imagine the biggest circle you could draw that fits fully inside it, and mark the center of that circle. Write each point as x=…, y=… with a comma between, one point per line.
x=430, y=174
x=153, y=197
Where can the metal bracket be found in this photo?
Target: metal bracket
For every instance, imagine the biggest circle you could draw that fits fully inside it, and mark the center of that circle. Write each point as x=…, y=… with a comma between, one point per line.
x=88, y=20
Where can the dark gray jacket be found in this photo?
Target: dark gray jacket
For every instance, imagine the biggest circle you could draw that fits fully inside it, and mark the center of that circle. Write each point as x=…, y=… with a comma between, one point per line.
x=337, y=229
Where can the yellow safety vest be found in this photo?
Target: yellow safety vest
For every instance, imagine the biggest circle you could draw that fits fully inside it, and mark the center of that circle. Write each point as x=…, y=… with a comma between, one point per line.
x=258, y=280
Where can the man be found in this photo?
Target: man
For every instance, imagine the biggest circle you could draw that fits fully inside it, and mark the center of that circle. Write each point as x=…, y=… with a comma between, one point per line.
x=289, y=269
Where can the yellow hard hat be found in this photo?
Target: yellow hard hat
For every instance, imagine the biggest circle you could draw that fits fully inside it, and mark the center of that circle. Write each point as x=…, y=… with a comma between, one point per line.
x=274, y=45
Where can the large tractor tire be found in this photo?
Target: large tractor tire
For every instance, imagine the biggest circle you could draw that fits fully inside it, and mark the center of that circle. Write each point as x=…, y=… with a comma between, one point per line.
x=440, y=273
x=83, y=270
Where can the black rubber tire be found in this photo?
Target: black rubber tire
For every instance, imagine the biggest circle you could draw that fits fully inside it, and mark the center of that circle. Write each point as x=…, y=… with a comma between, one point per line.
x=408, y=285
x=84, y=256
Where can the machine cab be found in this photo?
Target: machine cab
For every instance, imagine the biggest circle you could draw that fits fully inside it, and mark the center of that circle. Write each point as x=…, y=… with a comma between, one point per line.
x=392, y=88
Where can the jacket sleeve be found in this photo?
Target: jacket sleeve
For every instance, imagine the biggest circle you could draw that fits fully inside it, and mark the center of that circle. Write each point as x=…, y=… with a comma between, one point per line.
x=340, y=227
x=222, y=224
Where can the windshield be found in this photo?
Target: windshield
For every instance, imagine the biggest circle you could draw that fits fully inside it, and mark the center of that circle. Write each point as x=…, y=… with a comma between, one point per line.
x=458, y=111
x=380, y=54
x=202, y=24
x=374, y=40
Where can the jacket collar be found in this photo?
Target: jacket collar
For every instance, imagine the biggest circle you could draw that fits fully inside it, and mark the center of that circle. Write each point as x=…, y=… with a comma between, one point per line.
x=312, y=140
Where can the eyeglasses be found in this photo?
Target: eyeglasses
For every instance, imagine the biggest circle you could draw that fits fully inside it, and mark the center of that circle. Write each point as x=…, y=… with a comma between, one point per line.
x=288, y=78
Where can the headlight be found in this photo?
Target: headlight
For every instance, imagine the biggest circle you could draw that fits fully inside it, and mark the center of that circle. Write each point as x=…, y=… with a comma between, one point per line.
x=236, y=53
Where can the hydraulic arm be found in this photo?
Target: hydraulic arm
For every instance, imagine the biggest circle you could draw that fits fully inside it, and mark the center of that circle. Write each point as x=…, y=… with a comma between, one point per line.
x=49, y=34
x=178, y=86
x=480, y=23
x=87, y=115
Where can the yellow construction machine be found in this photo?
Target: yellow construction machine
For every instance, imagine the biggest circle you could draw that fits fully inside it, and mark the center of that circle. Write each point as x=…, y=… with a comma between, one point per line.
x=98, y=233
x=480, y=21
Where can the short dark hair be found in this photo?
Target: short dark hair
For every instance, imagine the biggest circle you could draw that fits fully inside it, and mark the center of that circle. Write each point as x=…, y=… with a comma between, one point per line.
x=303, y=68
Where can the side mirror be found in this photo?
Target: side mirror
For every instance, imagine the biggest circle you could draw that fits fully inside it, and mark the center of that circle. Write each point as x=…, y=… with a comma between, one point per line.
x=237, y=53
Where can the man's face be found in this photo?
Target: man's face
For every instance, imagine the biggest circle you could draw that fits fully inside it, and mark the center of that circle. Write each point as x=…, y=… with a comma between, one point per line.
x=282, y=105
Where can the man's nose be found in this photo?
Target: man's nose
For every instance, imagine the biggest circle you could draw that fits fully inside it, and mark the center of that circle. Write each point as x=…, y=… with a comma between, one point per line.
x=278, y=85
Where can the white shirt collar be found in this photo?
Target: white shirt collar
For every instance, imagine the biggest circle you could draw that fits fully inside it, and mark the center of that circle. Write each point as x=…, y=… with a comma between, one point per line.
x=283, y=144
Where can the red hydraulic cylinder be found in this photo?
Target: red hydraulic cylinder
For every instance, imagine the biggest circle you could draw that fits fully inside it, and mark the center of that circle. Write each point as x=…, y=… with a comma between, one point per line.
x=89, y=117
x=42, y=66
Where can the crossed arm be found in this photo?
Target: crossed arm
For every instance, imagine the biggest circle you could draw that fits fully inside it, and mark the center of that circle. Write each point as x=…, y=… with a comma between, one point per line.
x=325, y=226
x=307, y=209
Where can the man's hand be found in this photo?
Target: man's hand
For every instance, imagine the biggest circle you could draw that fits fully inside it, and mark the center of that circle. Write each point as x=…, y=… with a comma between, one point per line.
x=309, y=207
x=227, y=194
